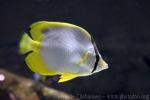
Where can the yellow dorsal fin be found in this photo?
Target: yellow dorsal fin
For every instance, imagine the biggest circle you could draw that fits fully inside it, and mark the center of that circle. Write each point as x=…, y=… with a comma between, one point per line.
x=37, y=28
x=67, y=76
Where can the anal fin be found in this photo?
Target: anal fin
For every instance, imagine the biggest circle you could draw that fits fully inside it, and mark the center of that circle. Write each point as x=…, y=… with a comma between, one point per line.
x=36, y=63
x=67, y=76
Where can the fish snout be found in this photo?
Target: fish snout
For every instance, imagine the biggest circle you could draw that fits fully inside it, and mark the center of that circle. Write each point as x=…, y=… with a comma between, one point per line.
x=103, y=65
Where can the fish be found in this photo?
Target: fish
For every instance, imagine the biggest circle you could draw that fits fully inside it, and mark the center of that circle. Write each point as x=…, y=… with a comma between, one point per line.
x=59, y=48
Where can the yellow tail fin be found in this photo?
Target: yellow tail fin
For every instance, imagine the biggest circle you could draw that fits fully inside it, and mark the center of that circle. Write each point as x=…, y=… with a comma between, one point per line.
x=25, y=44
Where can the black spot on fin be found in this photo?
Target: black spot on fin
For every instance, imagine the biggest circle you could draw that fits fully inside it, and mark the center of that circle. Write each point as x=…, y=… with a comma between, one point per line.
x=28, y=32
x=26, y=54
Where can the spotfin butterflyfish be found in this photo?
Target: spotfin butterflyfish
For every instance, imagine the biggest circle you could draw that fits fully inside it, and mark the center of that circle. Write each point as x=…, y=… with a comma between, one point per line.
x=58, y=48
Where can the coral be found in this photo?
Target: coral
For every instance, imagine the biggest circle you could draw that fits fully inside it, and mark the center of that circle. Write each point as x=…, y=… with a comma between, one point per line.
x=15, y=87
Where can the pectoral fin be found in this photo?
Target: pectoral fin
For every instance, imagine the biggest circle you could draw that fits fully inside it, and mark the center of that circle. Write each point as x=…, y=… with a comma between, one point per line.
x=84, y=58
x=67, y=76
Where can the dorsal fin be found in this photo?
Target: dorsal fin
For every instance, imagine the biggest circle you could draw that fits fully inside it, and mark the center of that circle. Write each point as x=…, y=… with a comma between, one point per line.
x=37, y=28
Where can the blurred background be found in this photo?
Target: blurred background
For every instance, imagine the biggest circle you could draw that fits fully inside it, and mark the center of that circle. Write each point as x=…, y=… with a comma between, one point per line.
x=121, y=29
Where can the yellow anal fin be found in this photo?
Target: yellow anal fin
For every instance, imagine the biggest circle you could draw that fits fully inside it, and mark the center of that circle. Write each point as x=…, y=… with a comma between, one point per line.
x=35, y=63
x=67, y=76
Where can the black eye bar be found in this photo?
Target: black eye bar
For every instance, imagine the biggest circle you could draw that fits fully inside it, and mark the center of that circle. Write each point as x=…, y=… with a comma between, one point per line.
x=97, y=55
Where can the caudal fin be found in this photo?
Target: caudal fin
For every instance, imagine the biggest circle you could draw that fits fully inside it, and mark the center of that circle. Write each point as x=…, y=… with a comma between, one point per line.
x=25, y=44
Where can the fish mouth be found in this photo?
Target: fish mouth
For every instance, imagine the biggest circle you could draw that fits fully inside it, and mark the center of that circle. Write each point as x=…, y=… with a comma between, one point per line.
x=103, y=64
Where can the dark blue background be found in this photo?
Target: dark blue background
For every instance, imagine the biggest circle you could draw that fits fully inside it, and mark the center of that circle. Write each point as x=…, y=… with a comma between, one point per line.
x=121, y=29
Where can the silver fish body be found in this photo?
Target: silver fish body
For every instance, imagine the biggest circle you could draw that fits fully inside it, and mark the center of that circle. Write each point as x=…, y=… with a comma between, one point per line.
x=64, y=47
